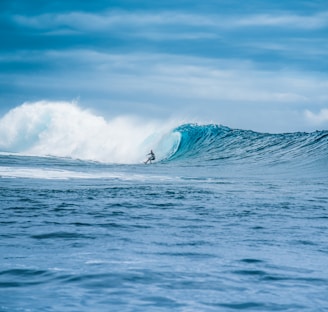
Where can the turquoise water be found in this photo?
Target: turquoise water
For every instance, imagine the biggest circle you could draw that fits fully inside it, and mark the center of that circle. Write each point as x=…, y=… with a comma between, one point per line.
x=225, y=220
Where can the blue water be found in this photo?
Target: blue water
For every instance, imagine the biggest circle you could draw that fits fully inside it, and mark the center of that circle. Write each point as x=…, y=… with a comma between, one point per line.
x=224, y=220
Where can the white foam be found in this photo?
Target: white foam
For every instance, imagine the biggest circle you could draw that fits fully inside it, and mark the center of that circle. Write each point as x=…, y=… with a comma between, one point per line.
x=65, y=130
x=59, y=174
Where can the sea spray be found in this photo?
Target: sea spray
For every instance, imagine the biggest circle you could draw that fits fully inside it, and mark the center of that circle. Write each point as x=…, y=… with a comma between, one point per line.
x=65, y=130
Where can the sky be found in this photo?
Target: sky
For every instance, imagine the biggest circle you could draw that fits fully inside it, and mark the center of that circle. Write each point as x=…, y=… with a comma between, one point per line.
x=256, y=64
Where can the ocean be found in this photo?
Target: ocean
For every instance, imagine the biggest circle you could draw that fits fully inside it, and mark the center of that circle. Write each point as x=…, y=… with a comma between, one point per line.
x=223, y=220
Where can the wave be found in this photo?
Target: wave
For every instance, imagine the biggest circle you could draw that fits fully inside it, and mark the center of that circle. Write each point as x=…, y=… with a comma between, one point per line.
x=214, y=144
x=66, y=130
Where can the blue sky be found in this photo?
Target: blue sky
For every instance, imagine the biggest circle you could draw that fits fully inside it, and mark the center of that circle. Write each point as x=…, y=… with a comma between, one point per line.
x=260, y=65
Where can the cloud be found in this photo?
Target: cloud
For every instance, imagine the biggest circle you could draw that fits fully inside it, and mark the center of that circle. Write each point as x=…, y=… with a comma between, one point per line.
x=105, y=21
x=115, y=19
x=317, y=119
x=163, y=78
x=316, y=21
x=220, y=34
x=157, y=85
x=222, y=61
x=156, y=26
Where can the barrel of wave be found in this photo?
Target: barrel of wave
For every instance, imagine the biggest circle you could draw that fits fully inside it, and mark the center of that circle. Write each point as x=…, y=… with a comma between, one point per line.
x=164, y=144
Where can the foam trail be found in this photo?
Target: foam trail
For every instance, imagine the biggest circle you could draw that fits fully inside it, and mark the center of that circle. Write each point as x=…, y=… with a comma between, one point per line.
x=65, y=130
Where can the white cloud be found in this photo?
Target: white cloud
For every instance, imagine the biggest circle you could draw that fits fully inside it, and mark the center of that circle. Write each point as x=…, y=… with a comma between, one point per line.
x=103, y=21
x=163, y=78
x=181, y=82
x=316, y=21
x=317, y=119
x=111, y=19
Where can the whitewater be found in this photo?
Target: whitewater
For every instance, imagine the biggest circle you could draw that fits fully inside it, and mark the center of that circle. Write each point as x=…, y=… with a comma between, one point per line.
x=65, y=130
x=224, y=219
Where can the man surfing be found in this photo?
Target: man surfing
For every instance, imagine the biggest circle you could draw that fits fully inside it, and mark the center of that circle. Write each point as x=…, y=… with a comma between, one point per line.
x=150, y=158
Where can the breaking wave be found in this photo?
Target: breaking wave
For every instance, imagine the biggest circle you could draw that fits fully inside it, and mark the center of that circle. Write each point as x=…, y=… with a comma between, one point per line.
x=66, y=130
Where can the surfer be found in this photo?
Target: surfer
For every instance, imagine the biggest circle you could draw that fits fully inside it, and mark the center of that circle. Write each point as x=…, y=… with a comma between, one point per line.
x=151, y=157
